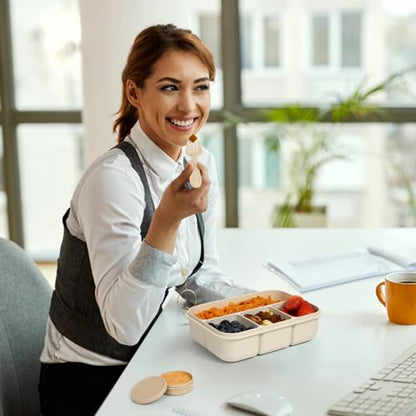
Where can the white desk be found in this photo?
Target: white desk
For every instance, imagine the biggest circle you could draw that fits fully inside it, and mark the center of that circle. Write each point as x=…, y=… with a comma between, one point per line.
x=354, y=337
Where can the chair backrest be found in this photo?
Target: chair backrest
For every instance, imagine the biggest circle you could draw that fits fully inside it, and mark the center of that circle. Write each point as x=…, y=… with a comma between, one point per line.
x=24, y=304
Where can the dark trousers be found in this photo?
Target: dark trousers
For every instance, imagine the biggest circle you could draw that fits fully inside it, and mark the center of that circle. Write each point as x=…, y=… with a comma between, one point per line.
x=70, y=389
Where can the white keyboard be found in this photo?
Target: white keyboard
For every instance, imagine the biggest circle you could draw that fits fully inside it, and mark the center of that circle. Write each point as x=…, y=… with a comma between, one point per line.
x=390, y=392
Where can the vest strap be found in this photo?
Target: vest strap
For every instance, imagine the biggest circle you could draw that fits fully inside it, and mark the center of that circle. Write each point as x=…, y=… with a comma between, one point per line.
x=137, y=165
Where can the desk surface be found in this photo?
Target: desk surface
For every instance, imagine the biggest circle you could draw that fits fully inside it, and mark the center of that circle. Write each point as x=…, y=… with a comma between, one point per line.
x=354, y=338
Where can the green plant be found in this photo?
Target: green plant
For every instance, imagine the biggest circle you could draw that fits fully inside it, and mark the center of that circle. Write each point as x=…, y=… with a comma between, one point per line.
x=309, y=131
x=311, y=150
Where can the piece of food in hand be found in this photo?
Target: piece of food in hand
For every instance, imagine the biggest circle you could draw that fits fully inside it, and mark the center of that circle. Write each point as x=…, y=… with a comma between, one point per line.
x=293, y=302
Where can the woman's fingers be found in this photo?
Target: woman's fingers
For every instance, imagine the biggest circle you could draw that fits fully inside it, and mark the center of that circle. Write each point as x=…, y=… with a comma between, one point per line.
x=180, y=200
x=180, y=182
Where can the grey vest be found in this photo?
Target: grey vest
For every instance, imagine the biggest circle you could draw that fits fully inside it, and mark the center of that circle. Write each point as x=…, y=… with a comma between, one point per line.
x=74, y=310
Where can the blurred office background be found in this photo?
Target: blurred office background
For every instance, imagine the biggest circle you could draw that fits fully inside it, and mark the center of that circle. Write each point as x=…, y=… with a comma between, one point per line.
x=61, y=62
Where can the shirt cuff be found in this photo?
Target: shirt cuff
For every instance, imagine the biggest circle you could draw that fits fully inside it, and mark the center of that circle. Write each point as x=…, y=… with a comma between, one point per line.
x=152, y=266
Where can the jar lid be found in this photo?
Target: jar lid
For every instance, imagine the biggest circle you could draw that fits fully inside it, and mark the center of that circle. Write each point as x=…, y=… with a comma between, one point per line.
x=148, y=390
x=178, y=382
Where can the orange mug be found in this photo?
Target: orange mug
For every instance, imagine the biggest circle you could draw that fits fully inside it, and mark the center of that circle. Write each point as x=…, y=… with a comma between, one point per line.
x=399, y=297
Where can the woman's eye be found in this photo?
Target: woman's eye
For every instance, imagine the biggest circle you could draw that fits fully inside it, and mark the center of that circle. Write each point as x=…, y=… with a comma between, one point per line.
x=169, y=88
x=202, y=87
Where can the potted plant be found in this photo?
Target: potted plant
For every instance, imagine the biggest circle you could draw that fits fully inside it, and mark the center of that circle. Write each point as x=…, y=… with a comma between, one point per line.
x=311, y=148
x=310, y=132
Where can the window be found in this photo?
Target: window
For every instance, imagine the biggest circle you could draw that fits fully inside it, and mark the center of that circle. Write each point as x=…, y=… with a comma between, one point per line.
x=263, y=31
x=351, y=39
x=51, y=163
x=320, y=40
x=272, y=42
x=401, y=172
x=307, y=52
x=330, y=51
x=42, y=85
x=213, y=140
x=46, y=38
x=373, y=186
x=338, y=28
x=210, y=33
x=246, y=42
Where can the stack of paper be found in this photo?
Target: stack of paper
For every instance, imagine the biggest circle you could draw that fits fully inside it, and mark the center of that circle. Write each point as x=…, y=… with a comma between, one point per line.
x=315, y=273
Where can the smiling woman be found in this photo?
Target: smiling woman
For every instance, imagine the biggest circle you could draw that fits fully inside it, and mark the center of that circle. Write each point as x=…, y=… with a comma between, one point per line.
x=135, y=228
x=172, y=108
x=155, y=49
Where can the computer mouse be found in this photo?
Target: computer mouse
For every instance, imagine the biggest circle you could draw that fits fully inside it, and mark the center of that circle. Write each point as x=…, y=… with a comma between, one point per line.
x=265, y=404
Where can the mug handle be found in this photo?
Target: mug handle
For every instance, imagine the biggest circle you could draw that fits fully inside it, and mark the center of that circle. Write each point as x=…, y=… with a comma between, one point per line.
x=379, y=293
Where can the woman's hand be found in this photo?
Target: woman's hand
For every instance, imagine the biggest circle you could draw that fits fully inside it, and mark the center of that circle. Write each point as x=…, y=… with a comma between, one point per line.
x=177, y=203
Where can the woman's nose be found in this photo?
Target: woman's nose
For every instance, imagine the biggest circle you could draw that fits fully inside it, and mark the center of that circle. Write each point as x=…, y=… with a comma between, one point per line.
x=186, y=102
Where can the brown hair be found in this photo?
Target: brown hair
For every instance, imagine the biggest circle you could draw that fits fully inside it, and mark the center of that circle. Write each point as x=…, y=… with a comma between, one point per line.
x=148, y=47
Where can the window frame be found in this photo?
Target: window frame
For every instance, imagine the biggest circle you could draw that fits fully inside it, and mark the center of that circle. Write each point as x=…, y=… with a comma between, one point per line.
x=10, y=117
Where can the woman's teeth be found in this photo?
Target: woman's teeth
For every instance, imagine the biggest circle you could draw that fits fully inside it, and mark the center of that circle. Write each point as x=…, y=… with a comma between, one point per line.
x=182, y=123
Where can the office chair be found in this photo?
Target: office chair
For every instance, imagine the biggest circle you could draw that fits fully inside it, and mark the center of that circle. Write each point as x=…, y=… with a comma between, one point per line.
x=24, y=305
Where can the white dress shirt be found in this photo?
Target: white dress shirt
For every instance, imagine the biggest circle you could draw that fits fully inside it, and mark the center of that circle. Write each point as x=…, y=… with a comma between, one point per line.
x=130, y=276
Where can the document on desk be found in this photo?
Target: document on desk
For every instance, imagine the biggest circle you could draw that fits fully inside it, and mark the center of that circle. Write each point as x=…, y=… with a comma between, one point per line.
x=309, y=274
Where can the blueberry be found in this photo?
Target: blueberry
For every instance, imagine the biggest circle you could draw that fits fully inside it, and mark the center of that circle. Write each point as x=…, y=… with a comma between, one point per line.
x=229, y=327
x=227, y=324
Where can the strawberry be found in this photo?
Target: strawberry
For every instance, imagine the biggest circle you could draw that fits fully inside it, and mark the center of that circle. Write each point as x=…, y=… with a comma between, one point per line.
x=293, y=302
x=305, y=308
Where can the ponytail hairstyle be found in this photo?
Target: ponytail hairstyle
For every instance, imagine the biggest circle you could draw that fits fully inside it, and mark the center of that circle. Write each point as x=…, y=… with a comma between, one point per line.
x=148, y=47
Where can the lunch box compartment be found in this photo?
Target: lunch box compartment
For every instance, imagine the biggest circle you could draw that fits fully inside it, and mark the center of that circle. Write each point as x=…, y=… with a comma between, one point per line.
x=259, y=339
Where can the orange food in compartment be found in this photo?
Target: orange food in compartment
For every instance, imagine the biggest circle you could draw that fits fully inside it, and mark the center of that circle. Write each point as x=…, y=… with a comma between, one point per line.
x=233, y=307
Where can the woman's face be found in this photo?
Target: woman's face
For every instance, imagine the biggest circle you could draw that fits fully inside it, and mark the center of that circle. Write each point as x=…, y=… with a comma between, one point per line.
x=175, y=100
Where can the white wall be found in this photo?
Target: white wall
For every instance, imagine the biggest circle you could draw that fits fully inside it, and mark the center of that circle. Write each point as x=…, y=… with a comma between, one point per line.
x=108, y=30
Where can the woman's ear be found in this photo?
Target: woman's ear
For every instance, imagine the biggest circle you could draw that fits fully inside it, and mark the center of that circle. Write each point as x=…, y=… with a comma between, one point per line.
x=132, y=93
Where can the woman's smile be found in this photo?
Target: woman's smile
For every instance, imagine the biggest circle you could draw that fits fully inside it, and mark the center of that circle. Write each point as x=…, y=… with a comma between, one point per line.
x=182, y=124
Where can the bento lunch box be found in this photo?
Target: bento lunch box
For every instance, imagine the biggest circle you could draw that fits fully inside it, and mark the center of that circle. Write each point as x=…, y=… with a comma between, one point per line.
x=257, y=338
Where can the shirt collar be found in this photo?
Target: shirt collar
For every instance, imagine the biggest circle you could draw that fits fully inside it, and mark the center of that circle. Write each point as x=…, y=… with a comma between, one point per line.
x=154, y=157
